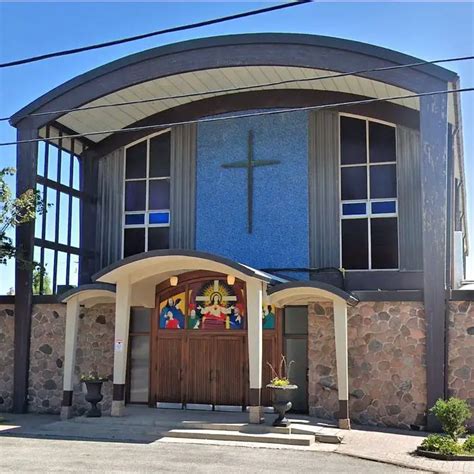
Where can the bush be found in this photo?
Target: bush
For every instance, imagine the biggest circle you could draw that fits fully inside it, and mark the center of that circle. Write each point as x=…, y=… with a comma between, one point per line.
x=441, y=444
x=468, y=445
x=452, y=415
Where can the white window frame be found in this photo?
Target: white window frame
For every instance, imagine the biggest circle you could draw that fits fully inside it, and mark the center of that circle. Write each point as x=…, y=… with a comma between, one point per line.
x=368, y=202
x=147, y=211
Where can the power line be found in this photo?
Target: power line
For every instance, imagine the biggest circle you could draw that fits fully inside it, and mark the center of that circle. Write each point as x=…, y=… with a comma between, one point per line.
x=243, y=88
x=231, y=117
x=151, y=34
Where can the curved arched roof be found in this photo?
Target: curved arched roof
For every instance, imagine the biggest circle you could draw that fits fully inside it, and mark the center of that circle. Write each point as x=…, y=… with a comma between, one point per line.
x=302, y=292
x=295, y=52
x=178, y=260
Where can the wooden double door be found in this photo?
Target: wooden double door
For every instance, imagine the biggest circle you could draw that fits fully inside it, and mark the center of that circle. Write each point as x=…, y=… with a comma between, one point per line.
x=194, y=367
x=191, y=367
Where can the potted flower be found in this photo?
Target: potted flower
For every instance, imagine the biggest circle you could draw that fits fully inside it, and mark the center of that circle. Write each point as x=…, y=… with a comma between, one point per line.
x=282, y=391
x=93, y=382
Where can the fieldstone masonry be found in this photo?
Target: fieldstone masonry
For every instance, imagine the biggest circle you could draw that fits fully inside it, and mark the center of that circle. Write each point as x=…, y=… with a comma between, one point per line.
x=7, y=317
x=387, y=368
x=461, y=352
x=94, y=352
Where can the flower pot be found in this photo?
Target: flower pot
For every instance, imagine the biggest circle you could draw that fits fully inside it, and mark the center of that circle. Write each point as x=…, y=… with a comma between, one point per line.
x=281, y=397
x=94, y=396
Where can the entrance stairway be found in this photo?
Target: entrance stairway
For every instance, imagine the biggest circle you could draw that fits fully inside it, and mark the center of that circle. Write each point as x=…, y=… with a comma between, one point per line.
x=148, y=425
x=296, y=434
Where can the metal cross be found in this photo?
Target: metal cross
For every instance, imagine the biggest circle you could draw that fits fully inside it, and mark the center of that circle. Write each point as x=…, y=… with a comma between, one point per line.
x=250, y=164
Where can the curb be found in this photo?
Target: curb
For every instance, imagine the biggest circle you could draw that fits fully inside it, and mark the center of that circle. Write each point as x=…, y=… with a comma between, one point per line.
x=386, y=461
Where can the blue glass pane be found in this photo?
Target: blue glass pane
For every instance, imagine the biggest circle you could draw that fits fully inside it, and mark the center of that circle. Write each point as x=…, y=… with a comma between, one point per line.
x=159, y=218
x=135, y=219
x=384, y=207
x=353, y=209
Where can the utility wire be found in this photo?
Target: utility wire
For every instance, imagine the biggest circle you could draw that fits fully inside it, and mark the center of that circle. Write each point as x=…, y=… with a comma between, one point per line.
x=151, y=34
x=244, y=88
x=238, y=116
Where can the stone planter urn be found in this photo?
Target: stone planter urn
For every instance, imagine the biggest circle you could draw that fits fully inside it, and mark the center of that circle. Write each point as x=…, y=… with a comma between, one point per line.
x=281, y=396
x=94, y=396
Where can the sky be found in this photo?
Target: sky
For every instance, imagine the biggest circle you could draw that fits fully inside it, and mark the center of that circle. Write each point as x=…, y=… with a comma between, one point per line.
x=425, y=30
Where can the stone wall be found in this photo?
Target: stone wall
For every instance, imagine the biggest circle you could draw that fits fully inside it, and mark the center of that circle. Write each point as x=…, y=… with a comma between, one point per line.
x=94, y=352
x=387, y=368
x=7, y=317
x=461, y=352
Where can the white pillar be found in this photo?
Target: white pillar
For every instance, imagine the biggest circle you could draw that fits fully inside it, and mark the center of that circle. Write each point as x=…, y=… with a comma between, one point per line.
x=340, y=329
x=255, y=343
x=122, y=323
x=70, y=345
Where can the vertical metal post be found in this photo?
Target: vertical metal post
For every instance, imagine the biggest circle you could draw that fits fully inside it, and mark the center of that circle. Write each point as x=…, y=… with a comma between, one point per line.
x=26, y=163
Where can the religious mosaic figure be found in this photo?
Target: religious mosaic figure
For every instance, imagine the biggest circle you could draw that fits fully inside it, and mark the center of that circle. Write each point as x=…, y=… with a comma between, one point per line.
x=194, y=320
x=171, y=316
x=268, y=317
x=218, y=308
x=236, y=319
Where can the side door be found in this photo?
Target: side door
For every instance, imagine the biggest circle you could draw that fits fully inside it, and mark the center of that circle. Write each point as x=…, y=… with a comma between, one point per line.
x=230, y=370
x=169, y=368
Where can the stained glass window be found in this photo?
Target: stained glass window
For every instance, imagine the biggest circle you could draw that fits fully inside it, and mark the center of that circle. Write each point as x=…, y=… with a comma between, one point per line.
x=369, y=227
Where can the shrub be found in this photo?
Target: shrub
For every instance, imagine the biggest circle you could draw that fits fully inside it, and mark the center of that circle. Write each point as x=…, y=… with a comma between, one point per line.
x=441, y=444
x=452, y=414
x=468, y=445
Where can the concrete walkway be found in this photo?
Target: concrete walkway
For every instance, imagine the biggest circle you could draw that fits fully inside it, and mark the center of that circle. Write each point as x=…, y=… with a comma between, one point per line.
x=148, y=426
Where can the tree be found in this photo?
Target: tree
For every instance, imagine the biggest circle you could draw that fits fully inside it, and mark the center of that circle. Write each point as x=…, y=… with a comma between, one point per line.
x=15, y=211
x=39, y=273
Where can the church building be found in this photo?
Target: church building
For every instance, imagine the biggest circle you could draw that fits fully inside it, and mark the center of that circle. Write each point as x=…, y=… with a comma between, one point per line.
x=214, y=204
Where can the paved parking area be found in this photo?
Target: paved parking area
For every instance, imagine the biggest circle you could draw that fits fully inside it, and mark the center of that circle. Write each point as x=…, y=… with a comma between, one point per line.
x=46, y=455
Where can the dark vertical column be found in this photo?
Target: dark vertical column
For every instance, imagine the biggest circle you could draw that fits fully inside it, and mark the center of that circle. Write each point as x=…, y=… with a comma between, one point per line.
x=433, y=164
x=88, y=214
x=26, y=162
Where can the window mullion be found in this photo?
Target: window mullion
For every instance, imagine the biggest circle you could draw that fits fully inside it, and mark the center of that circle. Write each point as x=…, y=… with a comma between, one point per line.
x=369, y=196
x=147, y=192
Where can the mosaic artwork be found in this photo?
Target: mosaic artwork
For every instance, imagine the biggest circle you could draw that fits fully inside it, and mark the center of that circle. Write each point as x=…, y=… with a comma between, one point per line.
x=172, y=312
x=207, y=305
x=215, y=305
x=268, y=316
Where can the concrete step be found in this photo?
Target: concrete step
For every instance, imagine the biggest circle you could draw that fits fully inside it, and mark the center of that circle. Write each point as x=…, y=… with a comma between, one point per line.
x=321, y=434
x=227, y=435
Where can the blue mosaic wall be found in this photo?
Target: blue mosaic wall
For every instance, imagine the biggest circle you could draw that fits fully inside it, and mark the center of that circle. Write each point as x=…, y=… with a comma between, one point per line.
x=280, y=221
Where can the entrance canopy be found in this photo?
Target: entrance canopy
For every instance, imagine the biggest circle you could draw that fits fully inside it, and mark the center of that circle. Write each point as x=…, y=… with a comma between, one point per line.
x=133, y=282
x=305, y=292
x=142, y=272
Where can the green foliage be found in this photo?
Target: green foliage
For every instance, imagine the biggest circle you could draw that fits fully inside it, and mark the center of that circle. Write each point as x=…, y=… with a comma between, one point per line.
x=15, y=211
x=452, y=414
x=468, y=445
x=39, y=272
x=441, y=444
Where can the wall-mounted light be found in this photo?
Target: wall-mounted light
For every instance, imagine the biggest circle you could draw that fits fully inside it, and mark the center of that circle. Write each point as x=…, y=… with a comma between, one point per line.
x=230, y=280
x=174, y=281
